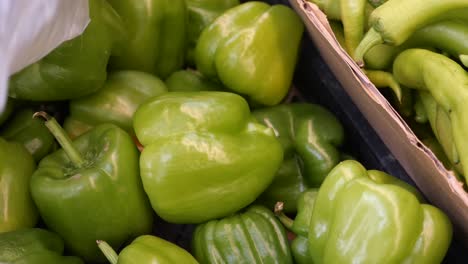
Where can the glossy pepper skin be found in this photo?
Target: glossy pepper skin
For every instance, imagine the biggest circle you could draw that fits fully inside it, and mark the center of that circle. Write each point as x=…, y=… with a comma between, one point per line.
x=370, y=217
x=32, y=246
x=310, y=136
x=449, y=36
x=30, y=132
x=77, y=67
x=252, y=49
x=157, y=35
x=147, y=249
x=115, y=103
x=17, y=209
x=251, y=236
x=448, y=86
x=353, y=14
x=201, y=13
x=353, y=18
x=300, y=225
x=388, y=27
x=191, y=81
x=90, y=189
x=208, y=147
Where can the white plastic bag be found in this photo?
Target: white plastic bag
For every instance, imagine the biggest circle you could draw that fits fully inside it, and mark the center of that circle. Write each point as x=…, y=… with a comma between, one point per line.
x=30, y=29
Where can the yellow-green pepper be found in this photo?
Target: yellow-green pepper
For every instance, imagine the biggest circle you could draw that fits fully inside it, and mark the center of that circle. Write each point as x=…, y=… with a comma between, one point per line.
x=252, y=49
x=204, y=155
x=115, y=103
x=147, y=249
x=191, y=81
x=77, y=67
x=17, y=209
x=447, y=82
x=310, y=136
x=251, y=236
x=201, y=13
x=370, y=217
x=156, y=35
x=91, y=189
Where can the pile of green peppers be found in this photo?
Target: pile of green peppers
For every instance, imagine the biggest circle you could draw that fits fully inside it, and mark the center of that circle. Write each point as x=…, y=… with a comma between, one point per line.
x=179, y=111
x=419, y=49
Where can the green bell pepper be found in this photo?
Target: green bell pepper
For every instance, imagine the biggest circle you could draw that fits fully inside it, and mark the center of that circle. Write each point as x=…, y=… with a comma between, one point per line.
x=300, y=225
x=370, y=217
x=147, y=250
x=6, y=112
x=252, y=49
x=208, y=147
x=310, y=135
x=251, y=236
x=32, y=246
x=157, y=35
x=30, y=132
x=191, y=81
x=17, y=209
x=90, y=189
x=77, y=67
x=201, y=13
x=115, y=103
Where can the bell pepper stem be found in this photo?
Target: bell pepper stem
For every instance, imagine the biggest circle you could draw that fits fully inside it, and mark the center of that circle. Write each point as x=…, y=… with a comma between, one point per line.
x=284, y=219
x=464, y=59
x=62, y=138
x=371, y=39
x=108, y=251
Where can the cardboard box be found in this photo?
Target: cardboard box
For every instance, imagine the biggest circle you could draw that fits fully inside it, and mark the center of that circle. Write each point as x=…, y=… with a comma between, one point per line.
x=439, y=185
